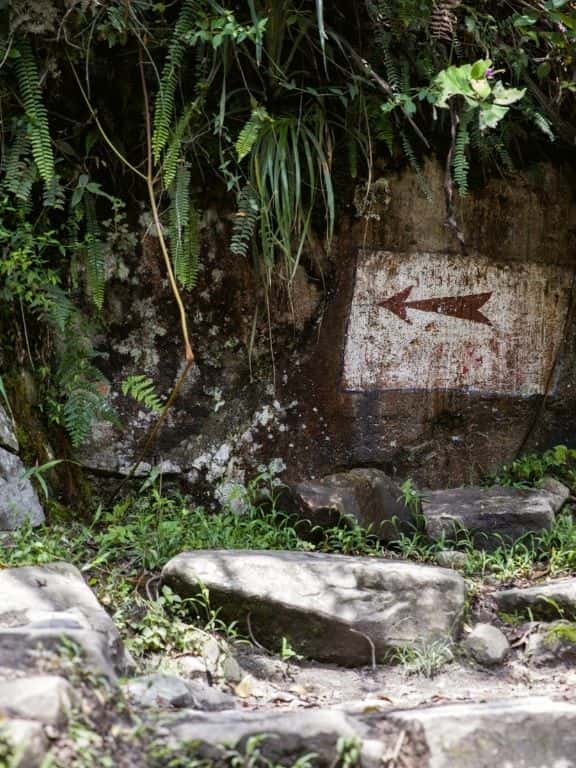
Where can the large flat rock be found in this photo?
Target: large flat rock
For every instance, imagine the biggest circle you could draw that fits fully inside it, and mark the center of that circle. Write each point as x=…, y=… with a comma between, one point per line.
x=40, y=604
x=550, y=600
x=490, y=515
x=285, y=736
x=519, y=733
x=534, y=732
x=330, y=607
x=19, y=501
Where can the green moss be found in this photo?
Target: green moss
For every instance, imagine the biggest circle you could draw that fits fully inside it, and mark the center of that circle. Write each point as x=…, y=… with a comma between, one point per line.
x=512, y=619
x=563, y=631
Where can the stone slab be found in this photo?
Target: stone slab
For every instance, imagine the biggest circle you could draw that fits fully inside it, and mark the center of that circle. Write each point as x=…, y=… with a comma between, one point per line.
x=331, y=607
x=492, y=515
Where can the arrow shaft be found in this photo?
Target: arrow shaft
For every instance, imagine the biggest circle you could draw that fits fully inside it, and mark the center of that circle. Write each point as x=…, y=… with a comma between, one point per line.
x=463, y=307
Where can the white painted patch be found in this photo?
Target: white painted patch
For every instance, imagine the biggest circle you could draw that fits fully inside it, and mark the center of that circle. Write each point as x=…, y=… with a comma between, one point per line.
x=513, y=354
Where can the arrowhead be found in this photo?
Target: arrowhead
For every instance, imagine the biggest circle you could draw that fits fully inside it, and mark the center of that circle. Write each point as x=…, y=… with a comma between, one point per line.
x=397, y=304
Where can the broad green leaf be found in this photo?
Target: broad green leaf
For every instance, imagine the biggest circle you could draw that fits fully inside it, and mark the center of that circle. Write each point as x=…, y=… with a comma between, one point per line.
x=481, y=87
x=490, y=115
x=479, y=69
x=505, y=96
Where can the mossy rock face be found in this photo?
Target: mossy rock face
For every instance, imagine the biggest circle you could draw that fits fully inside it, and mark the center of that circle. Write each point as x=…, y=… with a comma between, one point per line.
x=544, y=602
x=39, y=444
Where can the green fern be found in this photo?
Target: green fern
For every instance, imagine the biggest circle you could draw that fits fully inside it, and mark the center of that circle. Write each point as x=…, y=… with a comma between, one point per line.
x=81, y=384
x=38, y=129
x=460, y=165
x=94, y=254
x=250, y=132
x=186, y=267
x=164, y=106
x=19, y=173
x=141, y=388
x=172, y=156
x=179, y=213
x=245, y=221
x=57, y=308
x=543, y=124
x=54, y=194
x=79, y=411
x=414, y=163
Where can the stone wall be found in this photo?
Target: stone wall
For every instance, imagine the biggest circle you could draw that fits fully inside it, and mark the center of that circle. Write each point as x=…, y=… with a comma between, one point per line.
x=425, y=360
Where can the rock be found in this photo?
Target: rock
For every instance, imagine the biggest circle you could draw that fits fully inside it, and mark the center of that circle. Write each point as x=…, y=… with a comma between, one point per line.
x=489, y=514
x=8, y=437
x=28, y=741
x=19, y=502
x=552, y=600
x=287, y=735
x=531, y=733
x=451, y=558
x=19, y=648
x=46, y=698
x=160, y=690
x=557, y=489
x=367, y=496
x=330, y=607
x=552, y=644
x=41, y=604
x=191, y=667
x=487, y=644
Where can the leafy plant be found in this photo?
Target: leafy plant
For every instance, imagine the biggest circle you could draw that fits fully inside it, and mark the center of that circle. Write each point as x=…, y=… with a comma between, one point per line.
x=426, y=660
x=528, y=471
x=142, y=389
x=37, y=117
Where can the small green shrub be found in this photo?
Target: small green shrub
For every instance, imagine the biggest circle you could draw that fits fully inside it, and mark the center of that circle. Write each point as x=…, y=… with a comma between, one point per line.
x=528, y=471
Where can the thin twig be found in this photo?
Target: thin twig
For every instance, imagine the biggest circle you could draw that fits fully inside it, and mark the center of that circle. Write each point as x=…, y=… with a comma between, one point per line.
x=370, y=642
x=151, y=581
x=252, y=638
x=392, y=759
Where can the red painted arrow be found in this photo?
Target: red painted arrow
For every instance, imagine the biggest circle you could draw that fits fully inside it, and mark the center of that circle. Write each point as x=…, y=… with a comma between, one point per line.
x=465, y=307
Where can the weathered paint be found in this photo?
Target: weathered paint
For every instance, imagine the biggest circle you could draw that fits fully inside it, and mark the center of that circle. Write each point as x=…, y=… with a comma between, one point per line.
x=430, y=321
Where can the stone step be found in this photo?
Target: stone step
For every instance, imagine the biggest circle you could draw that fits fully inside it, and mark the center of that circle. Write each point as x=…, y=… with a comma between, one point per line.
x=490, y=515
x=550, y=600
x=534, y=732
x=330, y=607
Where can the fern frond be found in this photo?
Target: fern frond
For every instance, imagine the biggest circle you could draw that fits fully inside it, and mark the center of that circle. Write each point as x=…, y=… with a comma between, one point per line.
x=54, y=195
x=245, y=221
x=543, y=124
x=250, y=132
x=141, y=388
x=173, y=152
x=413, y=160
x=460, y=164
x=187, y=265
x=94, y=254
x=28, y=80
x=57, y=308
x=79, y=411
x=164, y=106
x=179, y=213
x=19, y=173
